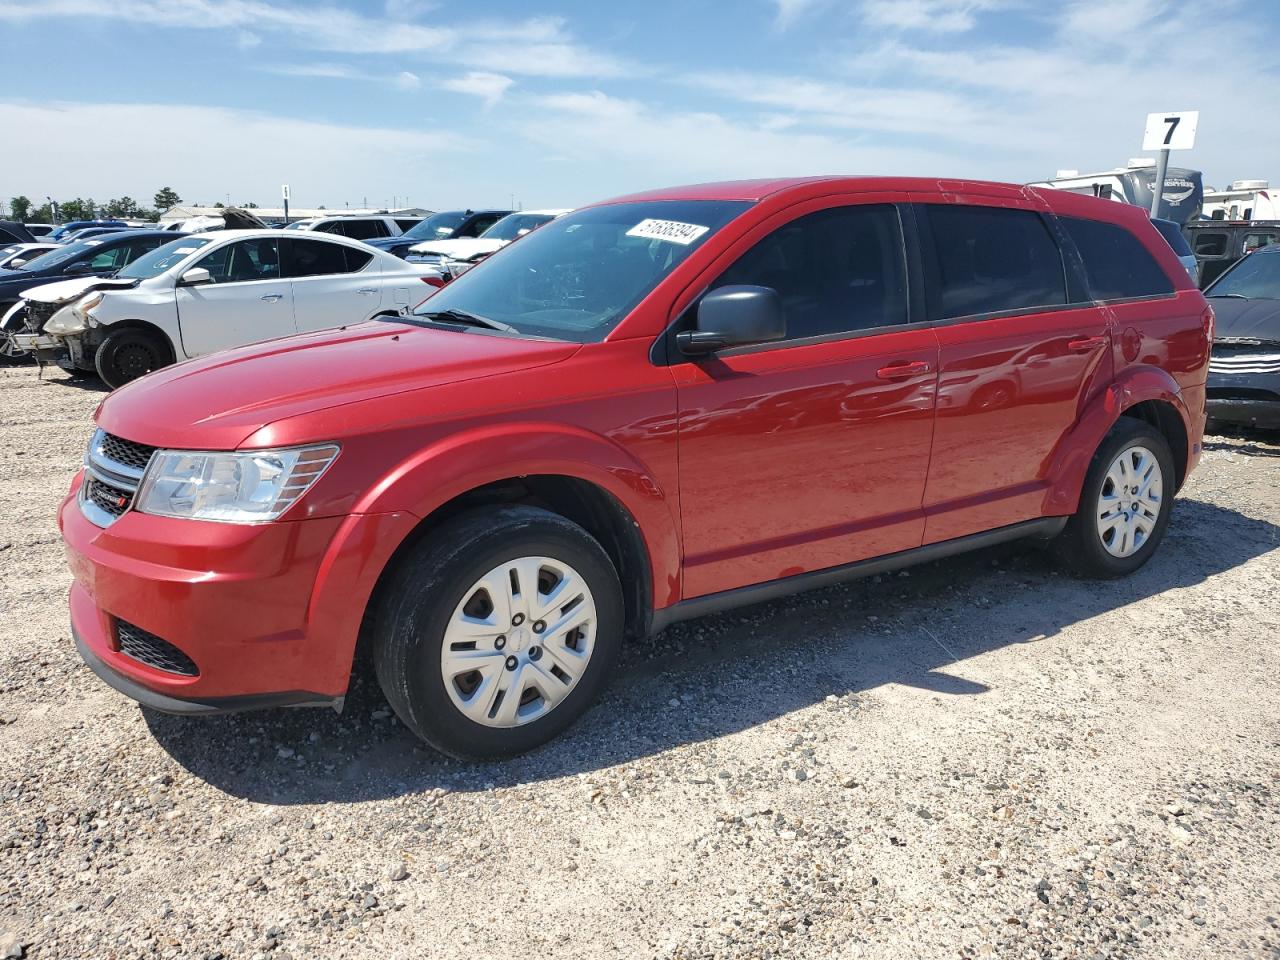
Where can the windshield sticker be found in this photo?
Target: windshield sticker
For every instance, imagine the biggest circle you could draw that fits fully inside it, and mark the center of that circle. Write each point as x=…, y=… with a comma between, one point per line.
x=186, y=250
x=93, y=243
x=670, y=230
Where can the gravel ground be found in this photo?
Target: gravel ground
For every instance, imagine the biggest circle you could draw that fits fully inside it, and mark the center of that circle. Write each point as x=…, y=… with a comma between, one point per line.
x=976, y=758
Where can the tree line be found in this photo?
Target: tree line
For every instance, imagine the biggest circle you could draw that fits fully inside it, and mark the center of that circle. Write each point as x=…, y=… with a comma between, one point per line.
x=24, y=210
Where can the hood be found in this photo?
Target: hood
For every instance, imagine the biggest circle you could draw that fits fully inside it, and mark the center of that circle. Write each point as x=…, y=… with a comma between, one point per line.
x=237, y=218
x=386, y=243
x=216, y=402
x=462, y=249
x=1246, y=319
x=66, y=290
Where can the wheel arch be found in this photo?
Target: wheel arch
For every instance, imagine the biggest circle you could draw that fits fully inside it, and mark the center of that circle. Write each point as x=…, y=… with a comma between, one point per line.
x=145, y=326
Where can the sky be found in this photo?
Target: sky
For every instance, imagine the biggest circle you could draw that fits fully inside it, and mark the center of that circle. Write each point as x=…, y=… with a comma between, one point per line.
x=446, y=104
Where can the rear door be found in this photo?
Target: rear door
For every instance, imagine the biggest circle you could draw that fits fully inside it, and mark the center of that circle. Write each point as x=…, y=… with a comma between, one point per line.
x=1018, y=359
x=811, y=452
x=333, y=284
x=246, y=301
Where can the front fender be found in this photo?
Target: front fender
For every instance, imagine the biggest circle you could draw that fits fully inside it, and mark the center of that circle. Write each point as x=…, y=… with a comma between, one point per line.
x=1134, y=385
x=473, y=458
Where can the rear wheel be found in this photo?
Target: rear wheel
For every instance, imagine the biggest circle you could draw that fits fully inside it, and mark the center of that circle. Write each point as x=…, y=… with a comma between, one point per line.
x=1124, y=505
x=127, y=354
x=498, y=631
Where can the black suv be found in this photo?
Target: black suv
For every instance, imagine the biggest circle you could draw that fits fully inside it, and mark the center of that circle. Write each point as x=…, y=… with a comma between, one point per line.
x=446, y=225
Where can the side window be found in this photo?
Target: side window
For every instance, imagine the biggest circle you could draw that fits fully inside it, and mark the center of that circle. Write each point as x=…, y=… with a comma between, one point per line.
x=1116, y=264
x=835, y=271
x=256, y=259
x=407, y=225
x=1253, y=241
x=364, y=229
x=112, y=259
x=1209, y=245
x=357, y=259
x=314, y=258
x=138, y=247
x=477, y=226
x=991, y=260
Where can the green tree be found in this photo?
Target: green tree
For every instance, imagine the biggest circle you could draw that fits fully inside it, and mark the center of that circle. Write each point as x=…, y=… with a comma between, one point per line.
x=78, y=209
x=249, y=206
x=167, y=197
x=43, y=215
x=219, y=204
x=20, y=208
x=124, y=207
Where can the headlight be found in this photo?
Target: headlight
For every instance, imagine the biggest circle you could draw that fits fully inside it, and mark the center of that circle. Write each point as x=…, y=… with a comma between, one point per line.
x=239, y=487
x=71, y=320
x=85, y=304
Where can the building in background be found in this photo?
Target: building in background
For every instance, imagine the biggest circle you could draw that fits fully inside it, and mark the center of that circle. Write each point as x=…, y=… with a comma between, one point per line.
x=1243, y=200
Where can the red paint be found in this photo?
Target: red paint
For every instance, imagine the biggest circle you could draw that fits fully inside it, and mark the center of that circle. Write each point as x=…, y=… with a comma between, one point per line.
x=737, y=469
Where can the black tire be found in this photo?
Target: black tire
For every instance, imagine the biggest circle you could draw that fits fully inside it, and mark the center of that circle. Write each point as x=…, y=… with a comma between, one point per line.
x=127, y=354
x=1080, y=545
x=416, y=604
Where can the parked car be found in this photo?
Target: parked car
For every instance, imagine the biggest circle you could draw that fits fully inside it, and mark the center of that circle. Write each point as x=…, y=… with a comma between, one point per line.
x=39, y=230
x=60, y=232
x=86, y=233
x=1218, y=244
x=361, y=227
x=96, y=257
x=1244, y=371
x=647, y=410
x=448, y=225
x=1172, y=233
x=209, y=292
x=231, y=218
x=13, y=232
x=459, y=255
x=16, y=254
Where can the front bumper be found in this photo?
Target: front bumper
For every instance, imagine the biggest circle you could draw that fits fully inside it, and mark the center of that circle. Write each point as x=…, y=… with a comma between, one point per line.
x=1250, y=399
x=269, y=613
x=40, y=345
x=1253, y=413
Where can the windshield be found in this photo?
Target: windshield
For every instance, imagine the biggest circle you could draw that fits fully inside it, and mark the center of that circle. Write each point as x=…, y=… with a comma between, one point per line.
x=162, y=258
x=438, y=226
x=56, y=258
x=516, y=225
x=578, y=276
x=1256, y=277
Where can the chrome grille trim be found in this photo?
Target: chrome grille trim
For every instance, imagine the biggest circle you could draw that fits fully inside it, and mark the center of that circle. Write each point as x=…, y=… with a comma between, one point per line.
x=111, y=472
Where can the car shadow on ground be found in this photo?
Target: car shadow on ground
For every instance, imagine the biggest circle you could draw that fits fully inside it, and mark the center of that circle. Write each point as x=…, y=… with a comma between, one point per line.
x=708, y=678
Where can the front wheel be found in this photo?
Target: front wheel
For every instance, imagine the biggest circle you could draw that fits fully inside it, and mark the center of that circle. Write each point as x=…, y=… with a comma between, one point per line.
x=127, y=354
x=1124, y=505
x=498, y=631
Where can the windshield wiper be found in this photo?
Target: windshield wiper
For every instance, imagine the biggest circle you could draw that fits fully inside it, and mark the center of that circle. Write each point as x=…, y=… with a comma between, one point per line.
x=1220, y=296
x=468, y=319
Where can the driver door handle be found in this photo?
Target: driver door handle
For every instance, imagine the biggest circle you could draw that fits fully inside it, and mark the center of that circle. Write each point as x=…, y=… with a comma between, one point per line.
x=273, y=297
x=367, y=290
x=1085, y=343
x=899, y=370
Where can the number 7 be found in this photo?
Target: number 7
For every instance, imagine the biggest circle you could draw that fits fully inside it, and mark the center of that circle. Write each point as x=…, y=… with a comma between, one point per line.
x=1173, y=125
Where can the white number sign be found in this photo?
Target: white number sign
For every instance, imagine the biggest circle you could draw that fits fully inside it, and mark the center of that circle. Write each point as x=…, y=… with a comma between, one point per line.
x=1175, y=130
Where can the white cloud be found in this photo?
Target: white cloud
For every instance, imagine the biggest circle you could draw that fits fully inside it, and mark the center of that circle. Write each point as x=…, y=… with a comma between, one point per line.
x=489, y=87
x=936, y=16
x=789, y=10
x=192, y=148
x=247, y=40
x=535, y=45
x=407, y=81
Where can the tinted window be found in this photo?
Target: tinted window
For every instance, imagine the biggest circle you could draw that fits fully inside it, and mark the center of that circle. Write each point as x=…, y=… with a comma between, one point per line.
x=1116, y=264
x=1211, y=244
x=256, y=259
x=112, y=258
x=835, y=270
x=1253, y=241
x=578, y=276
x=313, y=258
x=360, y=229
x=992, y=260
x=438, y=226
x=478, y=226
x=409, y=224
x=1172, y=234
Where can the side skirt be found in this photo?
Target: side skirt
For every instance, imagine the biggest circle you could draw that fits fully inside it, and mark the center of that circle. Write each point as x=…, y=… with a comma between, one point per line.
x=1044, y=528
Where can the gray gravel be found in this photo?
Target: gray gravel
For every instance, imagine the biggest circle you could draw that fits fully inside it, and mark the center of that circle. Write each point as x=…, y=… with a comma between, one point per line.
x=978, y=758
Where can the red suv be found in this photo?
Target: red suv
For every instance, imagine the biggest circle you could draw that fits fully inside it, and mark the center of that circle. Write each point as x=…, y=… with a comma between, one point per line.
x=647, y=410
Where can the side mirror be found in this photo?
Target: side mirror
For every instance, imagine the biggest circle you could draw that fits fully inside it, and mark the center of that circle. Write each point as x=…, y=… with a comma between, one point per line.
x=194, y=277
x=14, y=264
x=733, y=316
x=78, y=269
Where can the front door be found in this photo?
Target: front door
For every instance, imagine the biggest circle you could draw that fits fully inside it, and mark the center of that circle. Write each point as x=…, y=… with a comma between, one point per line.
x=1018, y=361
x=811, y=452
x=245, y=301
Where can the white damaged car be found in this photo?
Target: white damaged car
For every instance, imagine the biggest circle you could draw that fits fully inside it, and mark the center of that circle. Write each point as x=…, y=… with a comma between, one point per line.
x=200, y=294
x=455, y=257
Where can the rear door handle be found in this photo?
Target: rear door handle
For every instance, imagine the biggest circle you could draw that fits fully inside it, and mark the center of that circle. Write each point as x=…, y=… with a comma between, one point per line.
x=367, y=290
x=1086, y=343
x=273, y=297
x=899, y=370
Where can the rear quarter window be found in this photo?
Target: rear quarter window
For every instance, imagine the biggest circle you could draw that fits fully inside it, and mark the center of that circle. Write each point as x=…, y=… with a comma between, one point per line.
x=1116, y=264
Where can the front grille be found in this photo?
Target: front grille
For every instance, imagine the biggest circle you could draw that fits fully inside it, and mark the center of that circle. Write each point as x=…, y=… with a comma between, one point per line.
x=1237, y=359
x=114, y=468
x=112, y=500
x=147, y=648
x=136, y=455
x=38, y=314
